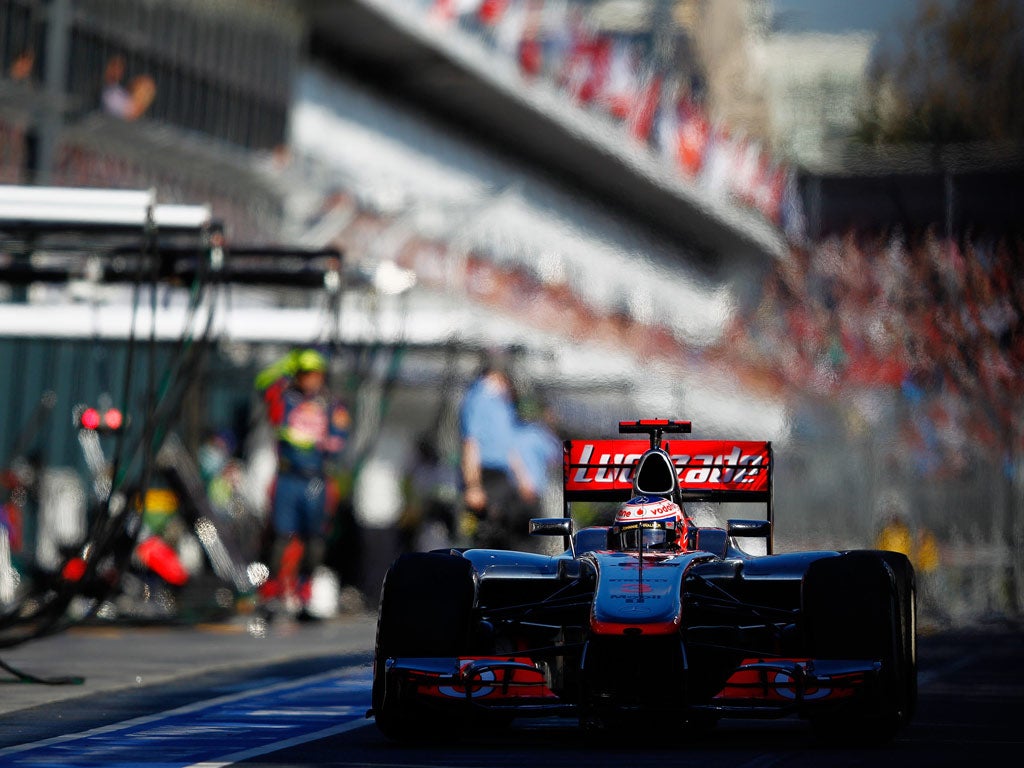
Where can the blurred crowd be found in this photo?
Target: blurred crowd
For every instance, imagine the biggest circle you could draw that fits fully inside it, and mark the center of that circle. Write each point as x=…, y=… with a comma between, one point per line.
x=938, y=319
x=656, y=101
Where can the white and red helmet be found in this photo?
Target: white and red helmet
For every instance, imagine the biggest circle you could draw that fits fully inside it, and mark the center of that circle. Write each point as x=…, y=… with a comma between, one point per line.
x=656, y=522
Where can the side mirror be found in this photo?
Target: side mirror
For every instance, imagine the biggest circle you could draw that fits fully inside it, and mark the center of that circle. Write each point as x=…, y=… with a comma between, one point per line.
x=554, y=526
x=761, y=529
x=551, y=526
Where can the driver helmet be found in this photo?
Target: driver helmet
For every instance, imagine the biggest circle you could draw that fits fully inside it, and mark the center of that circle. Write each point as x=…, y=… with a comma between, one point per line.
x=657, y=522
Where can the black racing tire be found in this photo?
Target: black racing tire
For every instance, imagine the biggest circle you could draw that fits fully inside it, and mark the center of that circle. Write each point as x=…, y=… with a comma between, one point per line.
x=906, y=585
x=858, y=605
x=426, y=609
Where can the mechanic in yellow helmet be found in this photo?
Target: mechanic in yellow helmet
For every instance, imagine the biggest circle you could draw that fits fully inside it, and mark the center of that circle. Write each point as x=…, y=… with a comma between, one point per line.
x=311, y=430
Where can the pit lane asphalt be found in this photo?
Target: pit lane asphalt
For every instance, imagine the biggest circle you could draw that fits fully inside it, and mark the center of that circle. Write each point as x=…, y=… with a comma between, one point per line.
x=127, y=671
x=972, y=696
x=969, y=711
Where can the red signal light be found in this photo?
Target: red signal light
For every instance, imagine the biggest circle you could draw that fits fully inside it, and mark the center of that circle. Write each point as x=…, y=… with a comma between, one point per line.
x=93, y=420
x=90, y=418
x=113, y=419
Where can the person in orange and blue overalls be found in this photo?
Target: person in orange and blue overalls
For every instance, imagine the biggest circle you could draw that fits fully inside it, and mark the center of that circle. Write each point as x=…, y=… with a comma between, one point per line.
x=312, y=429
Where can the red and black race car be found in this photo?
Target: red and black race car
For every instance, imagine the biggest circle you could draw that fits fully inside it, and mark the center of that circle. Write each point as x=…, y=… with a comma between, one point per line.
x=654, y=618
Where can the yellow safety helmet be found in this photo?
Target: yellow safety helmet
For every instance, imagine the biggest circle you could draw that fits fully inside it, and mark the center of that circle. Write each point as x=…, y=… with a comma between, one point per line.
x=310, y=360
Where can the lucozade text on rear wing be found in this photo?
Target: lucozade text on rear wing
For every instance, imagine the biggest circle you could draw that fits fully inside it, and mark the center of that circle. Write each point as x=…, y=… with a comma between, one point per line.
x=708, y=470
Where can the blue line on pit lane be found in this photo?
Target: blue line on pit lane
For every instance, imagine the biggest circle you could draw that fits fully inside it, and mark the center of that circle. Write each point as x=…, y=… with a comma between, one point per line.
x=214, y=732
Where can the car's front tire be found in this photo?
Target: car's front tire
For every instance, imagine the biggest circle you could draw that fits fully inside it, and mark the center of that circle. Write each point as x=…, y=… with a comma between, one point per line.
x=856, y=606
x=425, y=611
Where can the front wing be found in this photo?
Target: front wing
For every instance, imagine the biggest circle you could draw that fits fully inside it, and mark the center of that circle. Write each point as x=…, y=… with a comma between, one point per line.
x=758, y=687
x=507, y=682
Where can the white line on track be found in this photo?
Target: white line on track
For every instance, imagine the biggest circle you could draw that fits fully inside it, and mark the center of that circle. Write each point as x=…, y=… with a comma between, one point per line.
x=194, y=707
x=925, y=678
x=227, y=760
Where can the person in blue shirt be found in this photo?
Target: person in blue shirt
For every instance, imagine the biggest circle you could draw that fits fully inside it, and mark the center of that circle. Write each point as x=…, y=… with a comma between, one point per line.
x=492, y=472
x=311, y=431
x=539, y=449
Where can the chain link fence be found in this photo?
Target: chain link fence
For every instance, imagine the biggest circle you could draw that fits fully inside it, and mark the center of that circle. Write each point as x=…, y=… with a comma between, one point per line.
x=964, y=529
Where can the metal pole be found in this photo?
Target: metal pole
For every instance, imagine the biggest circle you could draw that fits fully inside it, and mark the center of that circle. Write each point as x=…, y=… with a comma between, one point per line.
x=664, y=35
x=50, y=118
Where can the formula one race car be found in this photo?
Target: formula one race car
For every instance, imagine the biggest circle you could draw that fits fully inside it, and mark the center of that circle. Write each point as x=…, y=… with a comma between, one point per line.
x=653, y=618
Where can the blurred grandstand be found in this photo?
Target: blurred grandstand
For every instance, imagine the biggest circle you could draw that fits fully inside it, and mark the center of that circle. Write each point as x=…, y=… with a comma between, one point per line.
x=577, y=181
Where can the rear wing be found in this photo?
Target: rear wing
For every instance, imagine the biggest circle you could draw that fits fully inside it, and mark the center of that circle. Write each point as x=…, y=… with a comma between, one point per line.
x=708, y=470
